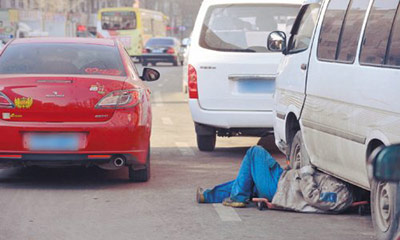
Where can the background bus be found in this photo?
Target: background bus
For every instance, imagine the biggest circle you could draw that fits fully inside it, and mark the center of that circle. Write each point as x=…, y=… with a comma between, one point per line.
x=132, y=26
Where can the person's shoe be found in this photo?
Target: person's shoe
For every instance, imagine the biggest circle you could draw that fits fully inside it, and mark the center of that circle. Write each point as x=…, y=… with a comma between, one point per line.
x=231, y=203
x=200, y=195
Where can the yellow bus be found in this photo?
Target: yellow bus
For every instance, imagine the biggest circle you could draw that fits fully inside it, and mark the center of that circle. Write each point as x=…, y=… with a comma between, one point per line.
x=132, y=26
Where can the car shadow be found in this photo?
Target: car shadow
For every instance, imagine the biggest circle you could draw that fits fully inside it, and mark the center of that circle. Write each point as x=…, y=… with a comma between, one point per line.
x=72, y=178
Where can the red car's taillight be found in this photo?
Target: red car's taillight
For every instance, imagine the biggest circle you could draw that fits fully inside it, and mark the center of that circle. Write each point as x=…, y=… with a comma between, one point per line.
x=171, y=51
x=192, y=82
x=5, y=102
x=121, y=99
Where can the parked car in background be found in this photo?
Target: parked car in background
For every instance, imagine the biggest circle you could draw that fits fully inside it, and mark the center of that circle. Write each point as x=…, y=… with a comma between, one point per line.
x=183, y=51
x=74, y=101
x=164, y=49
x=231, y=73
x=336, y=96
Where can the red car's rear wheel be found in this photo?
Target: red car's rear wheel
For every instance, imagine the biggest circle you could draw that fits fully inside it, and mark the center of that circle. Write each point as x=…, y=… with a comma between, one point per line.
x=141, y=175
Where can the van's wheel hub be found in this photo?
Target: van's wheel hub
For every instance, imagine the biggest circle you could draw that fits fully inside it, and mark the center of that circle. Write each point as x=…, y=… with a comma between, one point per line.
x=384, y=206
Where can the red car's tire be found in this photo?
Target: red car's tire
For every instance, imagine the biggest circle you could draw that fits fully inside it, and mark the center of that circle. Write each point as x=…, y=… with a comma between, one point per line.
x=142, y=175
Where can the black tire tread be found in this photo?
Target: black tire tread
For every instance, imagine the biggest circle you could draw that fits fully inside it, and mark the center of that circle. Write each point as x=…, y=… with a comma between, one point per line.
x=206, y=143
x=391, y=232
x=142, y=175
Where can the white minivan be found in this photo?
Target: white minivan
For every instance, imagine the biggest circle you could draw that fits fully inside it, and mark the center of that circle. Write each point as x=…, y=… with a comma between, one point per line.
x=338, y=93
x=231, y=73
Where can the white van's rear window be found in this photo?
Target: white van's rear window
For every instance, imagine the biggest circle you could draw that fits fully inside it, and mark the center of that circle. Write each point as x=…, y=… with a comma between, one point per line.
x=245, y=27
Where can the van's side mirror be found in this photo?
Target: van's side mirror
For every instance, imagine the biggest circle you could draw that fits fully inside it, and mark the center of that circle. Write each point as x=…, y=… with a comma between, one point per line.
x=277, y=41
x=150, y=75
x=385, y=163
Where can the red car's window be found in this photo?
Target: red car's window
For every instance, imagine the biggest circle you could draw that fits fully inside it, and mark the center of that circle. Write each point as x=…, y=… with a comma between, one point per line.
x=62, y=58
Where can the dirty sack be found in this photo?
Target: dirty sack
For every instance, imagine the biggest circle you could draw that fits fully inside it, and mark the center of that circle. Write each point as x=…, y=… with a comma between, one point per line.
x=308, y=190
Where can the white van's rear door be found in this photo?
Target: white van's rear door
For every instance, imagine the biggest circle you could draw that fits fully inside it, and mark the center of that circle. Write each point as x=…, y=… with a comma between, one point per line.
x=237, y=81
x=235, y=70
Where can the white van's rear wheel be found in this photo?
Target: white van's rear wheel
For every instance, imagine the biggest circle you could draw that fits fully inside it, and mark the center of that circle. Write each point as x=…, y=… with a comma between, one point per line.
x=298, y=154
x=383, y=209
x=206, y=143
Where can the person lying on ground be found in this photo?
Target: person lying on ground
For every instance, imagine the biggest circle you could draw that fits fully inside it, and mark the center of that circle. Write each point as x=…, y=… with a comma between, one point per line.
x=302, y=190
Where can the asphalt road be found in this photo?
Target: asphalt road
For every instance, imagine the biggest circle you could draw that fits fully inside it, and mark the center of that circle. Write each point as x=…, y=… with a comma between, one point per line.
x=79, y=203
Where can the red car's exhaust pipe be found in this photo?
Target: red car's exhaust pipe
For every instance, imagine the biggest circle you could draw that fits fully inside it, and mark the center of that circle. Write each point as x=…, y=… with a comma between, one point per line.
x=119, y=162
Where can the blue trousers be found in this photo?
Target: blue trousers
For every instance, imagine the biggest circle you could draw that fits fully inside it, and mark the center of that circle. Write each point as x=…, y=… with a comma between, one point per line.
x=258, y=176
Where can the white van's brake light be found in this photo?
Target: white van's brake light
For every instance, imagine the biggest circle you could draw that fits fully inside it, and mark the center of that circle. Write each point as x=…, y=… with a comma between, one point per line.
x=192, y=82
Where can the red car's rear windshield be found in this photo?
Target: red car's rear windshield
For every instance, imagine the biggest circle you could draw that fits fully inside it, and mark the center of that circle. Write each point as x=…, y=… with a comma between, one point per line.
x=61, y=58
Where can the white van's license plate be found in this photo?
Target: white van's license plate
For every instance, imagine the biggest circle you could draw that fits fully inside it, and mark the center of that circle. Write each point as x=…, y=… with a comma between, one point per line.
x=256, y=86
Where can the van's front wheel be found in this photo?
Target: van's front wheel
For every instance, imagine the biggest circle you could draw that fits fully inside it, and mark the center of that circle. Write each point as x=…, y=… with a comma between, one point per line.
x=384, y=208
x=298, y=155
x=206, y=143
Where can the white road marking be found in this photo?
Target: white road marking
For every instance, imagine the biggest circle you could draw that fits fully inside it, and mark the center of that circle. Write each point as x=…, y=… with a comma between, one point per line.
x=167, y=121
x=227, y=214
x=184, y=149
x=158, y=99
x=160, y=85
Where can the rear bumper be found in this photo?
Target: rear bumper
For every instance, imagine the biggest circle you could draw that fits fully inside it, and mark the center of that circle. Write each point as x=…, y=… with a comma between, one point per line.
x=159, y=58
x=231, y=119
x=124, y=134
x=63, y=159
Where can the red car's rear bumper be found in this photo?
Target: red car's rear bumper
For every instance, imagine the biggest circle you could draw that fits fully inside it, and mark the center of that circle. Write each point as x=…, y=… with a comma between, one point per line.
x=124, y=134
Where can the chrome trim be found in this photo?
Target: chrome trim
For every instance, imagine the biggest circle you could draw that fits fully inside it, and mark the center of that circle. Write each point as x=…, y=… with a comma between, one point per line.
x=208, y=67
x=239, y=77
x=54, y=81
x=349, y=136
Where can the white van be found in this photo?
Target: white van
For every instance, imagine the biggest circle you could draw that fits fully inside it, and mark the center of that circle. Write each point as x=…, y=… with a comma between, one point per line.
x=231, y=73
x=337, y=93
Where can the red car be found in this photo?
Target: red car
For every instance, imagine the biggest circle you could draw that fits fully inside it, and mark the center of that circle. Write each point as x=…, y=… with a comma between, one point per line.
x=67, y=101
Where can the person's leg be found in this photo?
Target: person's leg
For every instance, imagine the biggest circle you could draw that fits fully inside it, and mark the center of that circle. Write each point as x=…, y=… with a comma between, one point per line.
x=265, y=172
x=258, y=170
x=218, y=193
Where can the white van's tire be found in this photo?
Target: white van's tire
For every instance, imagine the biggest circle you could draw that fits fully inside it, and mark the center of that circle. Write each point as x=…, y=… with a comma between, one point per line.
x=383, y=209
x=298, y=154
x=206, y=143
